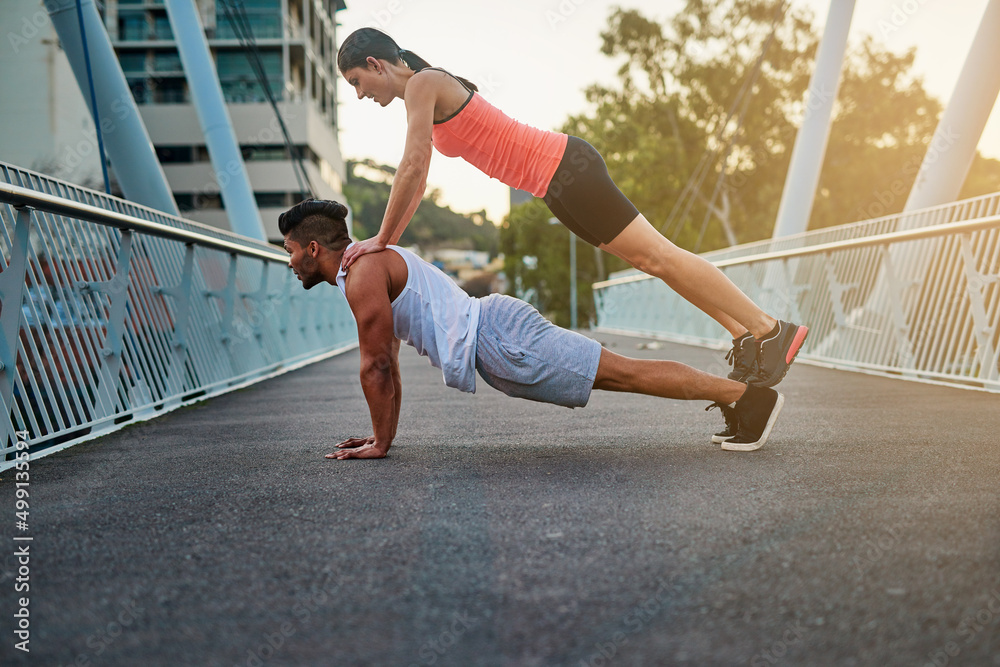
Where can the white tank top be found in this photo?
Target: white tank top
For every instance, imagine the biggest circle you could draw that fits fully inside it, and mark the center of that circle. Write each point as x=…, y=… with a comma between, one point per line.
x=436, y=317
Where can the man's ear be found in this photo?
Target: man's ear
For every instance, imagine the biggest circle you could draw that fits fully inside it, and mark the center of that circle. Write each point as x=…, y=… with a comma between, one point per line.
x=313, y=249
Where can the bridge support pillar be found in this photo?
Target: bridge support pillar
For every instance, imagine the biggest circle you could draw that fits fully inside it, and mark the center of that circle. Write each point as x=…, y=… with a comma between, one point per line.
x=810, y=142
x=953, y=147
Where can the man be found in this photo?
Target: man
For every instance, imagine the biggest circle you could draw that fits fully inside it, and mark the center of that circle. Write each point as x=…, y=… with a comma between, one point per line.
x=395, y=296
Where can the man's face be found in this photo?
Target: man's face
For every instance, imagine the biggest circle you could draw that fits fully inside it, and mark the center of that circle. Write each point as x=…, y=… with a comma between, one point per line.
x=303, y=263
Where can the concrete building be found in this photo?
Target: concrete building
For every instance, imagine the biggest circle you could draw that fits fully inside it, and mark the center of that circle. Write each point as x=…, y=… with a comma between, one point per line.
x=46, y=123
x=297, y=45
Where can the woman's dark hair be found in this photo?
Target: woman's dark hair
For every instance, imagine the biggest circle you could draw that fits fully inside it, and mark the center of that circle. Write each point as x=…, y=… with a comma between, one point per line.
x=319, y=220
x=371, y=42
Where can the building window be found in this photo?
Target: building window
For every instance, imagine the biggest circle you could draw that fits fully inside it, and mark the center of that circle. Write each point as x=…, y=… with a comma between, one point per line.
x=140, y=91
x=271, y=199
x=263, y=17
x=131, y=27
x=167, y=61
x=239, y=82
x=133, y=63
x=264, y=152
x=161, y=28
x=175, y=154
x=185, y=202
x=168, y=91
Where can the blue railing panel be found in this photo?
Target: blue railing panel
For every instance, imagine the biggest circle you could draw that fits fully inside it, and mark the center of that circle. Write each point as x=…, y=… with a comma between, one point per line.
x=914, y=295
x=110, y=322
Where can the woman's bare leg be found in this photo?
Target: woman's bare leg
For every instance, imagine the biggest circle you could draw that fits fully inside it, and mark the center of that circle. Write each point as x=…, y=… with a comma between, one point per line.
x=691, y=276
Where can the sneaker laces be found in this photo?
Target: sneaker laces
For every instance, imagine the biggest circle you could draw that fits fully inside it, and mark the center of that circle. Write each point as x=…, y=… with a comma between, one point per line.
x=732, y=357
x=728, y=413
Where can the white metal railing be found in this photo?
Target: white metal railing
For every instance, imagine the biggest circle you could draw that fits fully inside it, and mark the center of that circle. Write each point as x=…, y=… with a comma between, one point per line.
x=915, y=295
x=112, y=313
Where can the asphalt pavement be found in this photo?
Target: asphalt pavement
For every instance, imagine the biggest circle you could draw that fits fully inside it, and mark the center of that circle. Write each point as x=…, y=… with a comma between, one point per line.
x=506, y=532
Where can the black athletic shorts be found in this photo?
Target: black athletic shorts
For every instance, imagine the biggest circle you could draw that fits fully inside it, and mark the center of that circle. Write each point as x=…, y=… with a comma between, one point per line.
x=585, y=199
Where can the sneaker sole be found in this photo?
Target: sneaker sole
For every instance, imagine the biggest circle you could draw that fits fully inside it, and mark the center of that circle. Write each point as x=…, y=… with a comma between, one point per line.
x=719, y=439
x=793, y=350
x=753, y=446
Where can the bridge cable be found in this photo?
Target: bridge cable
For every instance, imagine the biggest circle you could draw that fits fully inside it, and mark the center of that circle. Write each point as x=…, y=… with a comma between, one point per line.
x=239, y=21
x=93, y=98
x=692, y=189
x=720, y=181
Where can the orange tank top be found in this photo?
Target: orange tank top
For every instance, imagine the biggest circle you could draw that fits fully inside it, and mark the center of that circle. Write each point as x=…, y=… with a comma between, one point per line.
x=516, y=154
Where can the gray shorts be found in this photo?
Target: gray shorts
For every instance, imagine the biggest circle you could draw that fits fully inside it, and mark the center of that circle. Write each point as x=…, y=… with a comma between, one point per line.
x=524, y=355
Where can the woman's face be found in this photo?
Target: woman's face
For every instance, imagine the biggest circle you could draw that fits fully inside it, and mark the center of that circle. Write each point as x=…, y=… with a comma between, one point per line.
x=371, y=82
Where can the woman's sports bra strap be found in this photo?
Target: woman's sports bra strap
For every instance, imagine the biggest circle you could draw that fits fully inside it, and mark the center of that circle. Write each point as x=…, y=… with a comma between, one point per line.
x=439, y=69
x=468, y=99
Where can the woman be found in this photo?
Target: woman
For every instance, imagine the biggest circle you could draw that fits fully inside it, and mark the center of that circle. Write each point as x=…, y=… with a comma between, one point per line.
x=446, y=112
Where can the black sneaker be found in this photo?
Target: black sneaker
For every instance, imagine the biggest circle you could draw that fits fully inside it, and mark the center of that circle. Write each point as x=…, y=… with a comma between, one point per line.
x=732, y=423
x=742, y=357
x=776, y=352
x=756, y=411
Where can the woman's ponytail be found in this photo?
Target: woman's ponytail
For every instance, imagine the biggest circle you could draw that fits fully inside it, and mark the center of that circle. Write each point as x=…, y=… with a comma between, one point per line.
x=416, y=63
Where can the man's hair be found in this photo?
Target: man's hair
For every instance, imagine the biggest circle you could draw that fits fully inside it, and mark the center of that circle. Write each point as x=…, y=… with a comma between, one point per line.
x=319, y=220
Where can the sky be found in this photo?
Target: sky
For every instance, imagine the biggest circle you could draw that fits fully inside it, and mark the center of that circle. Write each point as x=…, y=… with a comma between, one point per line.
x=534, y=59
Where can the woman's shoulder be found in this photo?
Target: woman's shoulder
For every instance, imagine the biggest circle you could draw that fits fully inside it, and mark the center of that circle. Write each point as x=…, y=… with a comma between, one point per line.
x=427, y=80
x=430, y=74
x=439, y=78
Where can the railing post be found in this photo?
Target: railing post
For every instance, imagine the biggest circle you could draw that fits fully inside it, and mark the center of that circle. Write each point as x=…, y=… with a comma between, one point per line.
x=976, y=286
x=257, y=299
x=901, y=328
x=11, y=297
x=837, y=290
x=106, y=392
x=181, y=294
x=227, y=295
x=286, y=305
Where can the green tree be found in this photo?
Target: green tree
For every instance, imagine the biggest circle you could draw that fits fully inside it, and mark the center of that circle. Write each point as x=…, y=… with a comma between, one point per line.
x=983, y=178
x=700, y=127
x=536, y=261
x=883, y=121
x=702, y=84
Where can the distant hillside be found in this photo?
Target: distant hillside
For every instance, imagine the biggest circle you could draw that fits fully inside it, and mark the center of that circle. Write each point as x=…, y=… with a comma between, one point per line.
x=433, y=226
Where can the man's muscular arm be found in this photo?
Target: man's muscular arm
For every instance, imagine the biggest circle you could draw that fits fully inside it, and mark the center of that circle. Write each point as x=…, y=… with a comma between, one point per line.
x=368, y=295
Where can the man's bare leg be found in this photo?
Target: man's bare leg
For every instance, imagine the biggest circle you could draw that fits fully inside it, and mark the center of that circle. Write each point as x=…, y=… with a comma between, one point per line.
x=666, y=379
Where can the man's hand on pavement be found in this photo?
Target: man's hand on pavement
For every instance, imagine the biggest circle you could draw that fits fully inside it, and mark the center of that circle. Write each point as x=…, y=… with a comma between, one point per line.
x=366, y=451
x=355, y=442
